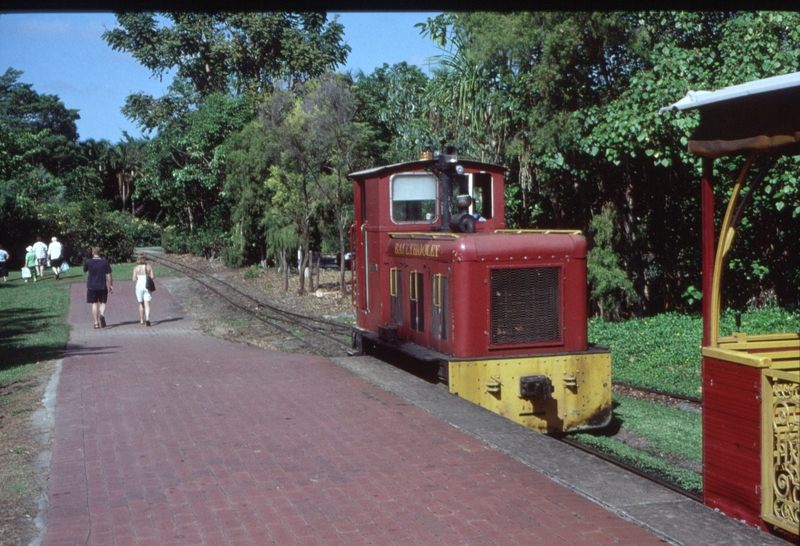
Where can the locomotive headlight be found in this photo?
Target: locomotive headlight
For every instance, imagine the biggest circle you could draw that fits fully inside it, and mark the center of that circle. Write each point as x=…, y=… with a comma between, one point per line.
x=459, y=169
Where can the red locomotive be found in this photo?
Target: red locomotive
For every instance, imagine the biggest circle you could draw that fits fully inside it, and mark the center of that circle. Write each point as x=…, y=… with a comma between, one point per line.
x=501, y=313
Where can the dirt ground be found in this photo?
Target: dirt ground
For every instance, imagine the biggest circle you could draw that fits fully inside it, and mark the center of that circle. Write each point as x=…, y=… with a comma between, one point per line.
x=24, y=443
x=221, y=320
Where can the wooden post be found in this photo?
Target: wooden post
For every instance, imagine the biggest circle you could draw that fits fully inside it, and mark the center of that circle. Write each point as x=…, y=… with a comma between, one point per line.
x=708, y=246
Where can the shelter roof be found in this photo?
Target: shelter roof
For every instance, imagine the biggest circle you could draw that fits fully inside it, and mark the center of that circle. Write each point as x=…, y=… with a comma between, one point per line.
x=757, y=116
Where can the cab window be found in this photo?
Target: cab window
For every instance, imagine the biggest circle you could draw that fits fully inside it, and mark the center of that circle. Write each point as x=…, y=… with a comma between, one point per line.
x=482, y=195
x=414, y=198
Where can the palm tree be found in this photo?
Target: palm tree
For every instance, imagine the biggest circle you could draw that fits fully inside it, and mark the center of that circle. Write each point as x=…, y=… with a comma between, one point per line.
x=124, y=161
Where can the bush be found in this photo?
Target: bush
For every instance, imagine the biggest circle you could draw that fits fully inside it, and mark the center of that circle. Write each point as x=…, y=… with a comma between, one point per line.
x=250, y=273
x=611, y=290
x=85, y=224
x=232, y=257
x=205, y=242
x=663, y=352
x=145, y=233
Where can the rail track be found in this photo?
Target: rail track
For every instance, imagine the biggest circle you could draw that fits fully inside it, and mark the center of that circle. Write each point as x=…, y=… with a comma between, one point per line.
x=632, y=469
x=320, y=336
x=331, y=339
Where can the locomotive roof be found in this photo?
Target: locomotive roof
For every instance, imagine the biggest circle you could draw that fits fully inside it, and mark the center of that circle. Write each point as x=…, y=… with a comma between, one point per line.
x=757, y=116
x=421, y=165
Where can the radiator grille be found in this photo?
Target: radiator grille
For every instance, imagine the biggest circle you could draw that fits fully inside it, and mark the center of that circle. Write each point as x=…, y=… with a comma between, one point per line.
x=526, y=305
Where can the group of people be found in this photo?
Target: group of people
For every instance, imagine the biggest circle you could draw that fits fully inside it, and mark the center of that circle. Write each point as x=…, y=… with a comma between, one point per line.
x=36, y=259
x=100, y=282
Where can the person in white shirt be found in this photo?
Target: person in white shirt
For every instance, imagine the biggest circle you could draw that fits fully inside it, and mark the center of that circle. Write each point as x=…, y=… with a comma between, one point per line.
x=54, y=253
x=40, y=249
x=4, y=258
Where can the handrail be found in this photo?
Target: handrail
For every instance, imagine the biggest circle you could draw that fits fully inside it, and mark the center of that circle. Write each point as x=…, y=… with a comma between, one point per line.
x=723, y=246
x=542, y=231
x=352, y=268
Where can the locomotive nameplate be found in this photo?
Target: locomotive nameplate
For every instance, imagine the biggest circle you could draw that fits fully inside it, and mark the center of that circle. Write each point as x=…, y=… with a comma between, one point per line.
x=422, y=250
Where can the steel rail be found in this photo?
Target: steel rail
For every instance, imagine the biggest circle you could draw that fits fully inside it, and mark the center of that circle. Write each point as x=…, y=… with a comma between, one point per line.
x=345, y=330
x=293, y=319
x=632, y=469
x=661, y=393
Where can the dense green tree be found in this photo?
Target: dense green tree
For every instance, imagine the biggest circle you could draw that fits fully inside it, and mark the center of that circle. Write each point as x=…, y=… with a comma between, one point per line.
x=224, y=64
x=236, y=53
x=295, y=177
x=644, y=161
x=249, y=155
x=51, y=184
x=37, y=152
x=391, y=102
x=573, y=111
x=343, y=142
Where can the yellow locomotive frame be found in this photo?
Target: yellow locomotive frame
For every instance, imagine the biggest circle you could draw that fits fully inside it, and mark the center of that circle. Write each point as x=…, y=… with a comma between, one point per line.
x=579, y=380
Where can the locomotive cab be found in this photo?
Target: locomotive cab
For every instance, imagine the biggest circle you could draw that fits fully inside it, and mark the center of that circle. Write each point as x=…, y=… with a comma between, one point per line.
x=501, y=314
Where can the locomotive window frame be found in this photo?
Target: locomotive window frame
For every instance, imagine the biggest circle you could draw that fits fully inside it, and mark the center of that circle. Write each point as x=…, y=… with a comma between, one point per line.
x=396, y=295
x=414, y=198
x=481, y=189
x=439, y=323
x=416, y=300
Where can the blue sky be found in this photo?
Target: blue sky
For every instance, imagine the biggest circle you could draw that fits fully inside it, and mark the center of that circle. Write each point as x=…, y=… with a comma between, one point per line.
x=64, y=54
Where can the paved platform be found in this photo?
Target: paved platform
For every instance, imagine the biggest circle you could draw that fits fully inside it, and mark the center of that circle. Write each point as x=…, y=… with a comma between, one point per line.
x=165, y=436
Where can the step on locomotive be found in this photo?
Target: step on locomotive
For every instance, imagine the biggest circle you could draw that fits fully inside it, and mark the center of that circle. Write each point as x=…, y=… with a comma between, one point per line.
x=499, y=314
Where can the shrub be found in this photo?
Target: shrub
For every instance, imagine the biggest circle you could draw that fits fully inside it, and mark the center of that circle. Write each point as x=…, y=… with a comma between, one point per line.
x=232, y=257
x=84, y=224
x=203, y=242
x=145, y=233
x=611, y=290
x=250, y=273
x=663, y=352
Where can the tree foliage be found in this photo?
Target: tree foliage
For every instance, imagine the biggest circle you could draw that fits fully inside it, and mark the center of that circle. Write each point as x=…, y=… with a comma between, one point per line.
x=569, y=101
x=224, y=65
x=53, y=185
x=237, y=53
x=391, y=104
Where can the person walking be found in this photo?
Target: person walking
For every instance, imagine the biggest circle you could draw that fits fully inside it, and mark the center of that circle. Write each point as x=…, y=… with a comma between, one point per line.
x=143, y=295
x=98, y=284
x=40, y=249
x=4, y=259
x=54, y=253
x=30, y=262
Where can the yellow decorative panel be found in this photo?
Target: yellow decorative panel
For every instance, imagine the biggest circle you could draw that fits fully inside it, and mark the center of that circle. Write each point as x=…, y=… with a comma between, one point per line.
x=781, y=461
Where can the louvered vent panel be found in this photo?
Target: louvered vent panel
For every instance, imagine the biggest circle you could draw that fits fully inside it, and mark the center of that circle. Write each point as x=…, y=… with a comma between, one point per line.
x=526, y=306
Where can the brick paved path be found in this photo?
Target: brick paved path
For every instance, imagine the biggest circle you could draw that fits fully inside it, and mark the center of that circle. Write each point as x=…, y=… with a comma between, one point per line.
x=164, y=436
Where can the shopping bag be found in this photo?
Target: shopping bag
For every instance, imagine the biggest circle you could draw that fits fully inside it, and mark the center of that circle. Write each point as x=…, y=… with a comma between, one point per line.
x=64, y=266
x=26, y=273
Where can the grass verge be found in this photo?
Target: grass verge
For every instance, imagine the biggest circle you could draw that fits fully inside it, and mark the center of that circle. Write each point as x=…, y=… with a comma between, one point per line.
x=663, y=352
x=664, y=441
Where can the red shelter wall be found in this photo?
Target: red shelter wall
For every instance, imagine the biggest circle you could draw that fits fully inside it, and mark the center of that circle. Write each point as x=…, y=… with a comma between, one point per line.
x=732, y=439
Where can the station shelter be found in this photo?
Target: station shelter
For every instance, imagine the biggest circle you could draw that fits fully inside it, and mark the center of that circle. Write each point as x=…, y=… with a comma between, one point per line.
x=751, y=383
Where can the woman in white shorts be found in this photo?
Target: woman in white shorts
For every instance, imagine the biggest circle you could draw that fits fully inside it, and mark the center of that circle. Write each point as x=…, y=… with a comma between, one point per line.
x=140, y=273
